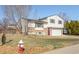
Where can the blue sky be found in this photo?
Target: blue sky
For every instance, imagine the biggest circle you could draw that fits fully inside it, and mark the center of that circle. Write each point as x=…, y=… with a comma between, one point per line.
x=72, y=11
x=1, y=12
x=40, y=11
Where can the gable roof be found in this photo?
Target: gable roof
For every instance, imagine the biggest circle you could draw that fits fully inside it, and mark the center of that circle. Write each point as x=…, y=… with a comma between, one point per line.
x=35, y=21
x=45, y=17
x=49, y=16
x=40, y=20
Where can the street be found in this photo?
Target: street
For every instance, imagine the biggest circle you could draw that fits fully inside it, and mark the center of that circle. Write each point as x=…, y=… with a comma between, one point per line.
x=66, y=50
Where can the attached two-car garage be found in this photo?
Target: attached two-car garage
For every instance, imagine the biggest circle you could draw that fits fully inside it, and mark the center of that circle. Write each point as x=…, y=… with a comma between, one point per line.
x=55, y=32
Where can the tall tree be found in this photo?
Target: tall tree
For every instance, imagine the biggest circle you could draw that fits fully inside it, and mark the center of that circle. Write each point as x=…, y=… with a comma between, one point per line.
x=64, y=16
x=73, y=27
x=15, y=13
x=9, y=13
x=23, y=11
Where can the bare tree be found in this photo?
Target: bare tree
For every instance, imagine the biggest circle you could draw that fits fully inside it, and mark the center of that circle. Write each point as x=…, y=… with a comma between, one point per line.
x=15, y=13
x=4, y=24
x=23, y=11
x=64, y=16
x=9, y=13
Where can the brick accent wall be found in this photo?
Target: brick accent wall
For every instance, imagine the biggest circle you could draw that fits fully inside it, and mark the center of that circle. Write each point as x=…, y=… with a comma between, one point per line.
x=45, y=30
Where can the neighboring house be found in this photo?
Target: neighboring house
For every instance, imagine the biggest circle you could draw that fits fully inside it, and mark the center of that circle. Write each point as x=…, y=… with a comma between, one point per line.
x=51, y=25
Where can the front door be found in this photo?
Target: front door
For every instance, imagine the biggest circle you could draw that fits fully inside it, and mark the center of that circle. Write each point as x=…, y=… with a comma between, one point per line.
x=49, y=31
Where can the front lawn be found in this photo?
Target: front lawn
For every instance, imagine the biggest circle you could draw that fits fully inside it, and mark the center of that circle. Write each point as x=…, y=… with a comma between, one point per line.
x=35, y=44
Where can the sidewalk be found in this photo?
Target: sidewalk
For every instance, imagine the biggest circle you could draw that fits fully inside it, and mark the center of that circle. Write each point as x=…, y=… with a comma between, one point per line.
x=67, y=50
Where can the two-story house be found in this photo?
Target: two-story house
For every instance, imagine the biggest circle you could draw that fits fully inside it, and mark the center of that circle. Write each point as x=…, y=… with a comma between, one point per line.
x=55, y=25
x=51, y=25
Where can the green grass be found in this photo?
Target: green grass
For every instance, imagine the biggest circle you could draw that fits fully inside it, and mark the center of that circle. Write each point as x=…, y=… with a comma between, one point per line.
x=44, y=43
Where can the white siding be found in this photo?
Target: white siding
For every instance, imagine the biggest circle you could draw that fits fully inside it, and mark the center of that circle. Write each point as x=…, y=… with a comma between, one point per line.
x=31, y=33
x=54, y=25
x=30, y=24
x=39, y=28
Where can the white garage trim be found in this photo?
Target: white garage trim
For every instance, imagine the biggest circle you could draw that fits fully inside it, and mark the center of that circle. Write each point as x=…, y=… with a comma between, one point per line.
x=56, y=32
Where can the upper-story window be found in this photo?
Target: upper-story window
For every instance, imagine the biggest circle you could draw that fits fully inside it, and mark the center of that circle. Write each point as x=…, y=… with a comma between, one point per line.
x=59, y=22
x=52, y=21
x=39, y=25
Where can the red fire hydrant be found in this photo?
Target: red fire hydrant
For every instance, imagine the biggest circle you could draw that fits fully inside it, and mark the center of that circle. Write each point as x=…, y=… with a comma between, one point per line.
x=21, y=47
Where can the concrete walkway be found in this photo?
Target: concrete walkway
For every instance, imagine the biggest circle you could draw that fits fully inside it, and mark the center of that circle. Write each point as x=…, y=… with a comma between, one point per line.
x=67, y=50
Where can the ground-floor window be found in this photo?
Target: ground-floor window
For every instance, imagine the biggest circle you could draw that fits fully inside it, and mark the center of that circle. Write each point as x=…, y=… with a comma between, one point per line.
x=39, y=33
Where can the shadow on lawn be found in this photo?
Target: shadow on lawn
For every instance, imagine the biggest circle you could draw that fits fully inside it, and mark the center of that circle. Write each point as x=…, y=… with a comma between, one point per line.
x=9, y=41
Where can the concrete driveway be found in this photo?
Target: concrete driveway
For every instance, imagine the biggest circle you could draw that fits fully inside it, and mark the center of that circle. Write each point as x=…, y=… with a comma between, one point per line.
x=67, y=36
x=67, y=50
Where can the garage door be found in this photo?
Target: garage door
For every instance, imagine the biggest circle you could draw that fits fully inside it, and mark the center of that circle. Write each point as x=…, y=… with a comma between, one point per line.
x=56, y=32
